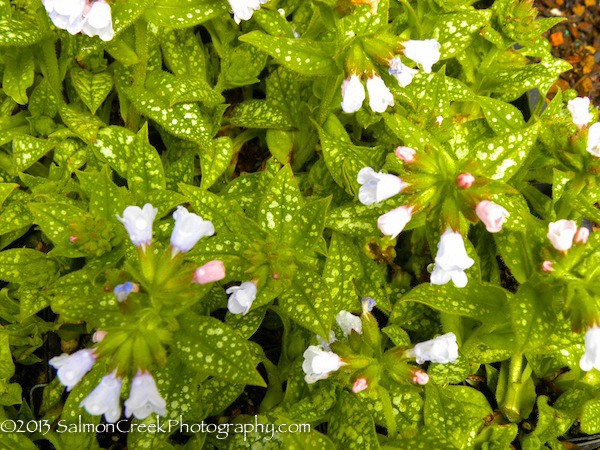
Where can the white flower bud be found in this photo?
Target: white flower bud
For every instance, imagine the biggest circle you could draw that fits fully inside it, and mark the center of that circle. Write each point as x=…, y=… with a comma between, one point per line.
x=105, y=398
x=561, y=234
x=591, y=358
x=451, y=260
x=72, y=368
x=353, y=94
x=241, y=297
x=426, y=53
x=348, y=322
x=318, y=363
x=442, y=349
x=580, y=111
x=380, y=96
x=189, y=229
x=138, y=223
x=144, y=398
x=377, y=186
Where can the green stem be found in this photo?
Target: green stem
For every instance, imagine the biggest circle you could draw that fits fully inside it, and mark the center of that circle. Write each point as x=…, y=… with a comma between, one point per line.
x=511, y=404
x=413, y=15
x=388, y=412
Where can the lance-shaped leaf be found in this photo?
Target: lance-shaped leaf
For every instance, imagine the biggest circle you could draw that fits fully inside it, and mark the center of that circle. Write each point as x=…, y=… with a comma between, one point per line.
x=84, y=125
x=307, y=301
x=280, y=202
x=194, y=90
x=407, y=406
x=5, y=190
x=502, y=117
x=455, y=31
x=145, y=171
x=24, y=265
x=501, y=156
x=259, y=114
x=28, y=149
x=478, y=301
x=184, y=13
x=208, y=345
x=345, y=160
x=18, y=74
x=214, y=160
x=183, y=54
x=92, y=88
x=55, y=220
x=113, y=145
x=342, y=268
x=19, y=32
x=305, y=230
x=106, y=198
x=349, y=427
x=300, y=55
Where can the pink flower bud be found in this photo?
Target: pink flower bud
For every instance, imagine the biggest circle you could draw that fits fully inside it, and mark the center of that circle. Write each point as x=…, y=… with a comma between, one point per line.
x=581, y=237
x=276, y=276
x=561, y=234
x=209, y=272
x=72, y=238
x=465, y=180
x=492, y=215
x=98, y=336
x=548, y=266
x=420, y=377
x=360, y=385
x=406, y=154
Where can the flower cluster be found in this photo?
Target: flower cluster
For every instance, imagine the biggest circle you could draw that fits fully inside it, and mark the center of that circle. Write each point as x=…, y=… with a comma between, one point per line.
x=92, y=17
x=425, y=53
x=352, y=360
x=144, y=397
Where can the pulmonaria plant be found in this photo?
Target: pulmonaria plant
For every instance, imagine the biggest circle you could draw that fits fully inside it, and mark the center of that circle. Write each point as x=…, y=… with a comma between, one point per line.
x=375, y=218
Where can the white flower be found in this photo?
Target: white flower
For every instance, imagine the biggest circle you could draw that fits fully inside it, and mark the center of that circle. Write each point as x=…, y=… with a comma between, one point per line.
x=580, y=111
x=138, y=223
x=377, y=186
x=241, y=297
x=561, y=234
x=492, y=215
x=325, y=344
x=426, y=53
x=451, y=260
x=243, y=9
x=591, y=358
x=104, y=399
x=72, y=368
x=403, y=74
x=319, y=363
x=393, y=222
x=189, y=229
x=144, y=398
x=443, y=349
x=353, y=94
x=380, y=96
x=98, y=21
x=66, y=14
x=348, y=322
x=593, y=143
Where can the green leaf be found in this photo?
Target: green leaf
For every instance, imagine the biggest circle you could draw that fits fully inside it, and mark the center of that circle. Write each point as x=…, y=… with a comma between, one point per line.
x=31, y=301
x=55, y=220
x=19, y=33
x=27, y=150
x=92, y=88
x=502, y=117
x=183, y=54
x=184, y=120
x=454, y=372
x=305, y=230
x=194, y=90
x=106, y=199
x=342, y=268
x=501, y=156
x=184, y=13
x=308, y=302
x=551, y=423
x=455, y=31
x=590, y=417
x=145, y=171
x=5, y=191
x=259, y=114
x=215, y=394
x=26, y=266
x=241, y=65
x=349, y=427
x=214, y=160
x=345, y=160
x=280, y=203
x=300, y=55
x=84, y=125
x=246, y=324
x=456, y=412
x=113, y=145
x=533, y=319
x=208, y=345
x=18, y=74
x=483, y=302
